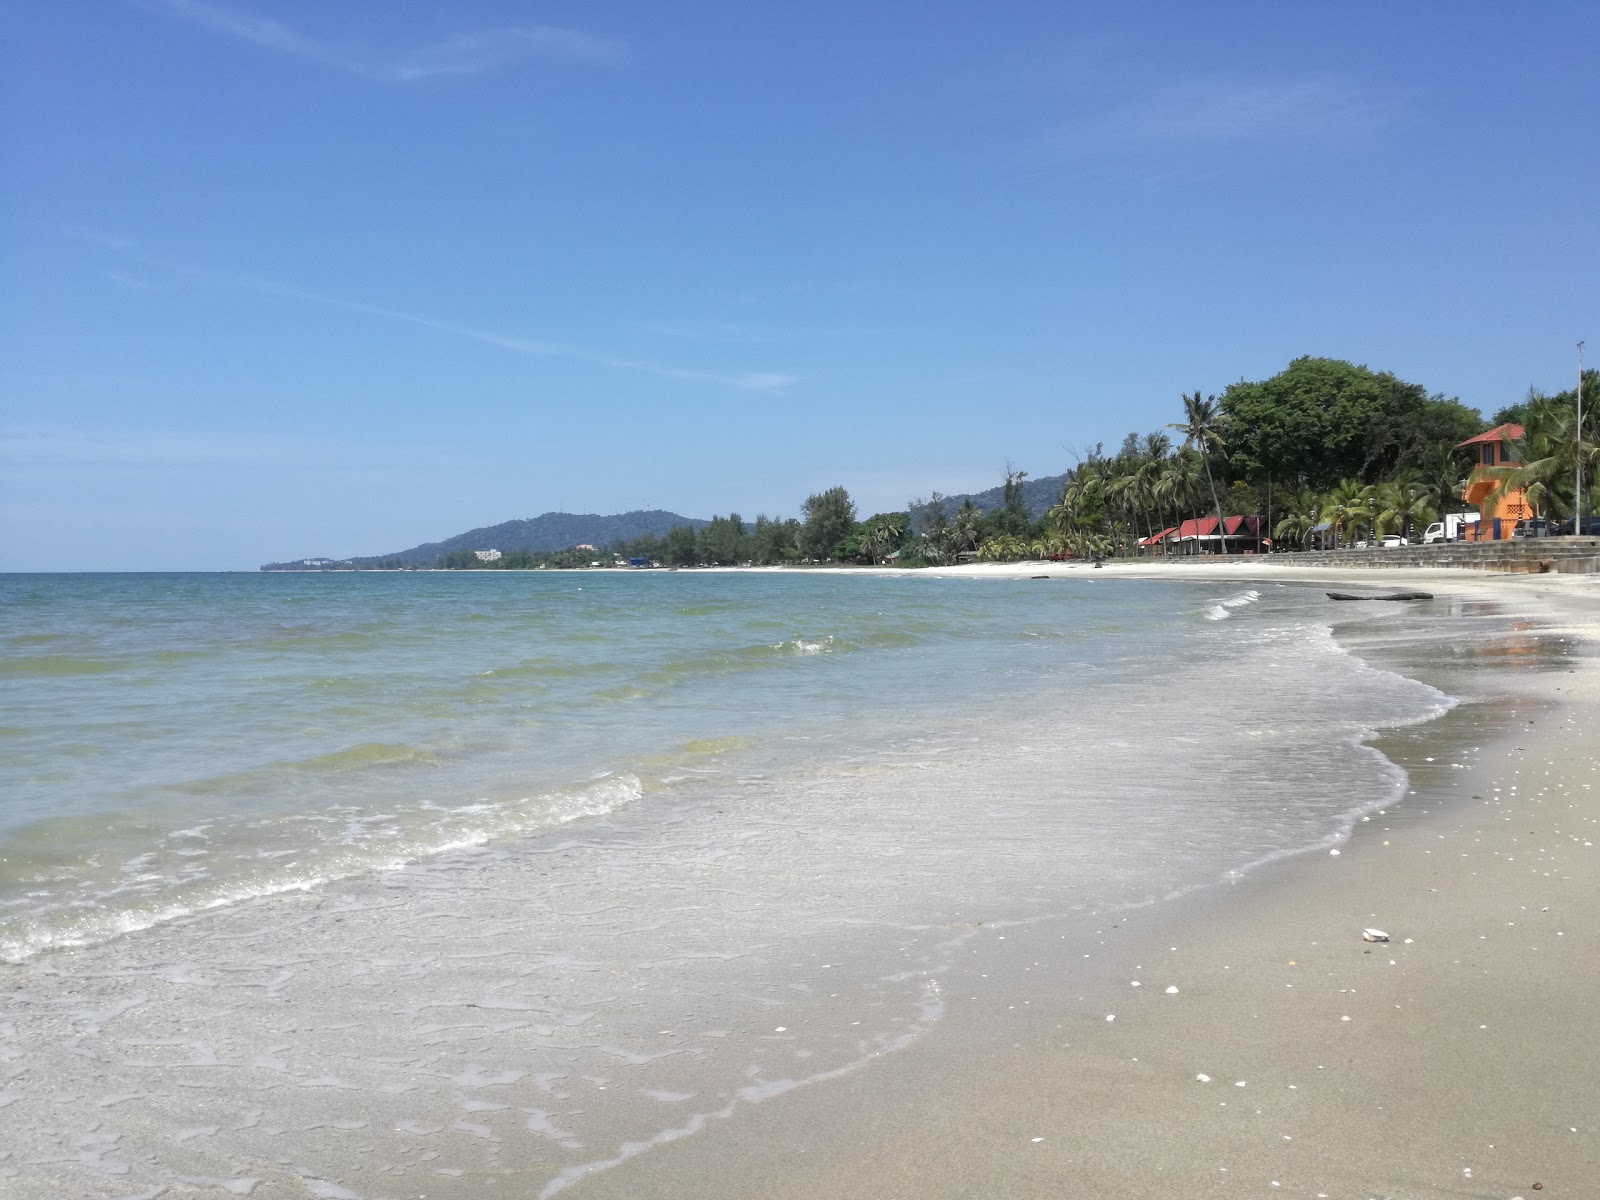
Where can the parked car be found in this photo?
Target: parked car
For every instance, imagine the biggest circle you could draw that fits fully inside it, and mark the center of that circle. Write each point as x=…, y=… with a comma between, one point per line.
x=1391, y=540
x=1534, y=527
x=1590, y=527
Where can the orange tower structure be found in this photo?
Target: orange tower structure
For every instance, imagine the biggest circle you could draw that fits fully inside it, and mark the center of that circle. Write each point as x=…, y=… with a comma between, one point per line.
x=1497, y=517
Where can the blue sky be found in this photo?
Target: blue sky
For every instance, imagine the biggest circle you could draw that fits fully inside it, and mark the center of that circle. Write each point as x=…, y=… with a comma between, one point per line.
x=287, y=278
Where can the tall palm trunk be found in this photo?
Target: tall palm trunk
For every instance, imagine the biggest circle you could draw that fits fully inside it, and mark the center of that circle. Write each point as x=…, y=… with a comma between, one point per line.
x=1222, y=535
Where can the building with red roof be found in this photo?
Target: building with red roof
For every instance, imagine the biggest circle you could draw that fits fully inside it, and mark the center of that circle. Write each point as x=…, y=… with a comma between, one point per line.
x=1498, y=514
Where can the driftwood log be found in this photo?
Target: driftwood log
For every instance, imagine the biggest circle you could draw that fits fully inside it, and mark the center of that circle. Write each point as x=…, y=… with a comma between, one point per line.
x=1386, y=596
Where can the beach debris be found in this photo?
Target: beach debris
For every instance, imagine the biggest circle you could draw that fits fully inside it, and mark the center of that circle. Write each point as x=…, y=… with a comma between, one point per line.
x=1334, y=853
x=1239, y=1083
x=1388, y=596
x=1111, y=1016
x=1374, y=935
x=1203, y=1078
x=1172, y=991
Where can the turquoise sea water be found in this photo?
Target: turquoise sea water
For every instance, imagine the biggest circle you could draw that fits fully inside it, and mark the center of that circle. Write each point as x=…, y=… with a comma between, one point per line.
x=325, y=822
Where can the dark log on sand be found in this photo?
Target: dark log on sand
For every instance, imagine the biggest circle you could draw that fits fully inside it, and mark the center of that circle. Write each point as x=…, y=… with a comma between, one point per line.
x=1387, y=596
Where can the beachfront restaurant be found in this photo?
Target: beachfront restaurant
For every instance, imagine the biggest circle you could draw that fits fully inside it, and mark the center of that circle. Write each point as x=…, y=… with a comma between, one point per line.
x=1199, y=535
x=1498, y=516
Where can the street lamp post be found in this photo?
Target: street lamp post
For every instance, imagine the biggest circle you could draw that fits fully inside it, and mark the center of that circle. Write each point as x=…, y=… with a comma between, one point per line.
x=1577, y=456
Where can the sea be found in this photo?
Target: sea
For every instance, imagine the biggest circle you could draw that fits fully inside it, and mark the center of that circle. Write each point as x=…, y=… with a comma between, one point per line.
x=370, y=885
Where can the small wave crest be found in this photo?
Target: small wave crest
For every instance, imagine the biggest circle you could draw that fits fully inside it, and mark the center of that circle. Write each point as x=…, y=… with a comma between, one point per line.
x=151, y=888
x=1223, y=609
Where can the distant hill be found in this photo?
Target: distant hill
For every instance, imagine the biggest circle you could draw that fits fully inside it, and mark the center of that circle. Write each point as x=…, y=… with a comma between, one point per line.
x=558, y=531
x=552, y=531
x=1038, y=494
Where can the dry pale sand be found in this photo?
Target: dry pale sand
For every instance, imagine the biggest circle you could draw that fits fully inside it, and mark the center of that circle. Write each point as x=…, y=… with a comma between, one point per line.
x=1459, y=1059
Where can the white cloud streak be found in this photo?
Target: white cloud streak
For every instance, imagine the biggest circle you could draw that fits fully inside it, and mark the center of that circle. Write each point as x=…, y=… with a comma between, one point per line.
x=750, y=381
x=462, y=55
x=22, y=448
x=1214, y=110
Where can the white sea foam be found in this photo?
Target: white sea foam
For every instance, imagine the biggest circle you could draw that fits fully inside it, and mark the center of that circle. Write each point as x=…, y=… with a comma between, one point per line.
x=775, y=900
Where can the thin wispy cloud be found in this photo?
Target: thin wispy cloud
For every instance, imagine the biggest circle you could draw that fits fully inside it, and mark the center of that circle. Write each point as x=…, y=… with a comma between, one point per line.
x=171, y=449
x=750, y=381
x=464, y=54
x=1217, y=110
x=132, y=282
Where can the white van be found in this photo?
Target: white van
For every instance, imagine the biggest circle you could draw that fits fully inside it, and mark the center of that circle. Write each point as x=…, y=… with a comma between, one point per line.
x=1450, y=529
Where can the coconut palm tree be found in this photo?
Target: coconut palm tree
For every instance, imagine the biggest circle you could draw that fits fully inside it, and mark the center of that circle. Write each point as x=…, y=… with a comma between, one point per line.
x=1403, y=504
x=1180, y=483
x=1304, y=513
x=1441, y=476
x=1544, y=459
x=1202, y=427
x=1344, y=507
x=965, y=526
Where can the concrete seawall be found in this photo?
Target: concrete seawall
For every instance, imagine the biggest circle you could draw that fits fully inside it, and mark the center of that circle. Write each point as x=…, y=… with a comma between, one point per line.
x=1566, y=555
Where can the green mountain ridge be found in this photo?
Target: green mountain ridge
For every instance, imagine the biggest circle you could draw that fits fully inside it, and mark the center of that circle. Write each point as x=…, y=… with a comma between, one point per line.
x=561, y=530
x=549, y=531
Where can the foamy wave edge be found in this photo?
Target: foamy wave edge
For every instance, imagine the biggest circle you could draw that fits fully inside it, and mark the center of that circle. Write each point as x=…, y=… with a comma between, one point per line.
x=604, y=796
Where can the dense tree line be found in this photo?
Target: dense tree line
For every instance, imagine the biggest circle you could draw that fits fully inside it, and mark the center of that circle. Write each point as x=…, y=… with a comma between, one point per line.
x=1324, y=452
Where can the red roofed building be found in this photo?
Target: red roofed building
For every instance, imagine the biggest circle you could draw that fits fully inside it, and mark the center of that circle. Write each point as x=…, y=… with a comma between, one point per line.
x=1198, y=535
x=1498, y=515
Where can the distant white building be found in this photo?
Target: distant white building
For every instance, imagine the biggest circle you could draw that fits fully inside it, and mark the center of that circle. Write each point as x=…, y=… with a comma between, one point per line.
x=488, y=555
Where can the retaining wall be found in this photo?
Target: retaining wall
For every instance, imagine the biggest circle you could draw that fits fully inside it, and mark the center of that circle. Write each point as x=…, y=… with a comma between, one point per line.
x=1567, y=555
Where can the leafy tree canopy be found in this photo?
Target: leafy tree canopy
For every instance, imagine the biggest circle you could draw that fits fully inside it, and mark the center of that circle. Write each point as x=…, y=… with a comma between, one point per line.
x=830, y=518
x=1321, y=420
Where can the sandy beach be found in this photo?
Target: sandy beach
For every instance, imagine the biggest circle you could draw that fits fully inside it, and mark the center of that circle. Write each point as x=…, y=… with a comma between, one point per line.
x=1247, y=1040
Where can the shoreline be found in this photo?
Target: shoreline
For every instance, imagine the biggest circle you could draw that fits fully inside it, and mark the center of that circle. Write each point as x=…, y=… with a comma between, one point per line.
x=1450, y=1064
x=1017, y=1084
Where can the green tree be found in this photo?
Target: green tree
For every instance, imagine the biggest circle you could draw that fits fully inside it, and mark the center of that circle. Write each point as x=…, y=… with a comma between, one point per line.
x=1543, y=458
x=1321, y=420
x=680, y=547
x=724, y=541
x=882, y=534
x=830, y=518
x=1202, y=427
x=775, y=542
x=1303, y=512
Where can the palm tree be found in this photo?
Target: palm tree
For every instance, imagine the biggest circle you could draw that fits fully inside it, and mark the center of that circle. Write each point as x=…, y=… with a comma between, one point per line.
x=1180, y=482
x=1345, y=506
x=1304, y=512
x=1546, y=454
x=965, y=526
x=1403, y=503
x=1441, y=477
x=875, y=538
x=1202, y=427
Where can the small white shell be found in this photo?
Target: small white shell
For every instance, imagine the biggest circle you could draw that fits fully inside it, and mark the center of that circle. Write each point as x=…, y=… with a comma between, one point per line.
x=1374, y=935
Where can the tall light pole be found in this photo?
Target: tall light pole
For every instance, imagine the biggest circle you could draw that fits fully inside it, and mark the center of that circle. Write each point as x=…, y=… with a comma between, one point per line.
x=1577, y=456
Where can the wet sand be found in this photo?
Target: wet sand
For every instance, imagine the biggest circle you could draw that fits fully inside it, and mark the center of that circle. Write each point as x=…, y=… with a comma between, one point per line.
x=1459, y=1059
